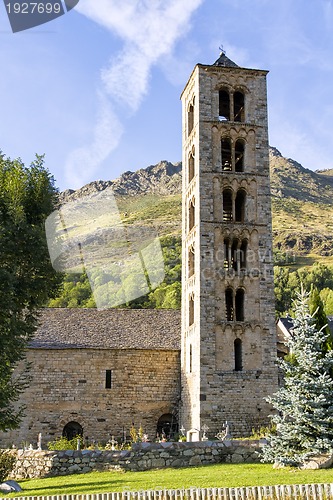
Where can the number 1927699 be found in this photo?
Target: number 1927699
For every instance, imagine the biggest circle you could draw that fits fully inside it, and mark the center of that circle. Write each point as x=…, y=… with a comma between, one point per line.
x=34, y=8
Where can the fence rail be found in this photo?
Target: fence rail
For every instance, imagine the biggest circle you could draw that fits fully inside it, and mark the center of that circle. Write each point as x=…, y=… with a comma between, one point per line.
x=278, y=492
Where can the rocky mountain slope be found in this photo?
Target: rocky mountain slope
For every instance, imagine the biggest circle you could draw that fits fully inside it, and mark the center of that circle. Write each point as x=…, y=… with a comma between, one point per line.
x=302, y=202
x=163, y=179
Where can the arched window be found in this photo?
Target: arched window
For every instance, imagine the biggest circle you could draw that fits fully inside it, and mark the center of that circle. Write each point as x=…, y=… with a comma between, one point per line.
x=224, y=105
x=239, y=304
x=191, y=215
x=71, y=430
x=190, y=118
x=191, y=169
x=240, y=206
x=191, y=261
x=191, y=310
x=227, y=205
x=226, y=154
x=239, y=155
x=238, y=355
x=229, y=304
x=227, y=254
x=239, y=112
x=243, y=254
x=235, y=255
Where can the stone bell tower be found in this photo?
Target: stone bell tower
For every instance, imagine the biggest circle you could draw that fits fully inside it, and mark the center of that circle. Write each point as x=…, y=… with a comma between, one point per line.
x=228, y=326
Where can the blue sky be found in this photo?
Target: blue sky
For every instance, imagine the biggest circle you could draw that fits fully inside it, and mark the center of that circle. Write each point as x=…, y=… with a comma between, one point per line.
x=97, y=90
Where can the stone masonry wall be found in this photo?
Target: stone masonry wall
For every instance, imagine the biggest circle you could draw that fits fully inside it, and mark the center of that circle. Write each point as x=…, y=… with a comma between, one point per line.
x=145, y=456
x=69, y=385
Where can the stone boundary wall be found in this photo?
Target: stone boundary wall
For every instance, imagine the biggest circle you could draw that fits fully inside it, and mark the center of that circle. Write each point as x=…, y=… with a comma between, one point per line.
x=142, y=456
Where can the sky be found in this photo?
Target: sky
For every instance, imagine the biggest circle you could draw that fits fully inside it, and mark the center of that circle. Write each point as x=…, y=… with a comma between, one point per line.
x=98, y=90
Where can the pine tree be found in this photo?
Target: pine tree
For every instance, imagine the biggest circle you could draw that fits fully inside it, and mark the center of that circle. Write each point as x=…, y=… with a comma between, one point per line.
x=316, y=308
x=304, y=418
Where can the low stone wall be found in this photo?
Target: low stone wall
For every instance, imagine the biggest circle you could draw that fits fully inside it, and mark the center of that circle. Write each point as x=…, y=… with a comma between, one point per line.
x=143, y=456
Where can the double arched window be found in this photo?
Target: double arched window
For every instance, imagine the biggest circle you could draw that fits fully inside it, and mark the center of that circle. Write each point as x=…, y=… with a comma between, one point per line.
x=235, y=254
x=232, y=155
x=233, y=206
x=234, y=304
x=231, y=106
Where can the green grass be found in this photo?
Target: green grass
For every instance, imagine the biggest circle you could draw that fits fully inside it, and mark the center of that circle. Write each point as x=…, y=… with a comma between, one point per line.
x=221, y=475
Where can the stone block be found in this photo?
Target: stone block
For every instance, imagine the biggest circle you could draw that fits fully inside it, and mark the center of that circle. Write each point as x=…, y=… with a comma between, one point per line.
x=196, y=460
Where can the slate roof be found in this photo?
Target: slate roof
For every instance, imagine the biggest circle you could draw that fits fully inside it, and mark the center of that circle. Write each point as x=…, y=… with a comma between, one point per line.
x=223, y=60
x=157, y=329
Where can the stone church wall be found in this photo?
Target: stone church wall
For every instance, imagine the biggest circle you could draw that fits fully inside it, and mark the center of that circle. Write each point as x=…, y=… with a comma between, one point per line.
x=68, y=385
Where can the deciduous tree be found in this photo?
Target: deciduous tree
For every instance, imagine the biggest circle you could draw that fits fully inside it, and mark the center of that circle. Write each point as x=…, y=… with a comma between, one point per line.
x=27, y=197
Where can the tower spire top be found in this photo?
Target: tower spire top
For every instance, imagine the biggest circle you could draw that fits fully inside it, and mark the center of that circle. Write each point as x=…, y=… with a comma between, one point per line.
x=222, y=51
x=223, y=60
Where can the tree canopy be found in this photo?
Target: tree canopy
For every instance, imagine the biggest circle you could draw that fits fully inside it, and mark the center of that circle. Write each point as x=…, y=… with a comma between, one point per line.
x=27, y=279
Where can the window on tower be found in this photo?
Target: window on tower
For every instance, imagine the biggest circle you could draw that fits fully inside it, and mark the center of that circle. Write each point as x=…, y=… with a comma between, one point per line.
x=191, y=310
x=224, y=105
x=190, y=118
x=191, y=261
x=240, y=205
x=190, y=167
x=227, y=205
x=238, y=355
x=239, y=155
x=239, y=304
x=191, y=355
x=229, y=304
x=226, y=154
x=227, y=254
x=239, y=114
x=235, y=253
x=243, y=254
x=191, y=215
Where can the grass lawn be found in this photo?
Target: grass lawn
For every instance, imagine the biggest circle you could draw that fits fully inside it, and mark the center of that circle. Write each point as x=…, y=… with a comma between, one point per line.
x=221, y=475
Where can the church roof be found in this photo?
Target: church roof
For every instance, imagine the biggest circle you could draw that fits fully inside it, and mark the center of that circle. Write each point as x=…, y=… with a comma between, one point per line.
x=157, y=329
x=223, y=60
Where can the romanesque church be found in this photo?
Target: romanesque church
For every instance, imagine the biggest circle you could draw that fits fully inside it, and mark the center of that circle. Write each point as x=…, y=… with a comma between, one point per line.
x=98, y=372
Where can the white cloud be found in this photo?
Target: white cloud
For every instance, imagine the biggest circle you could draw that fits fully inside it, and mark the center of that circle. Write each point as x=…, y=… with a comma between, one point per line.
x=149, y=29
x=107, y=134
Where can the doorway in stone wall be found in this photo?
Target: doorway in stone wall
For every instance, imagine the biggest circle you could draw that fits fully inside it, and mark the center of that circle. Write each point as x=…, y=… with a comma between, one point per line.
x=167, y=426
x=71, y=430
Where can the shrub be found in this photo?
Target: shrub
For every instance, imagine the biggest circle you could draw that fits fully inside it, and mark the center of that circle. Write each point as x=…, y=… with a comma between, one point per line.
x=64, y=444
x=7, y=462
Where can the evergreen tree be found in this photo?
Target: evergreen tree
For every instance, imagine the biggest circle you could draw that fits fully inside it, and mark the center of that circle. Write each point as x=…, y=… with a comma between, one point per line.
x=316, y=308
x=304, y=418
x=27, y=197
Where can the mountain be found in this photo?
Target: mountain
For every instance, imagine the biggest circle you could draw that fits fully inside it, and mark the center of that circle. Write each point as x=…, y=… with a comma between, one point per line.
x=301, y=202
x=289, y=179
x=163, y=179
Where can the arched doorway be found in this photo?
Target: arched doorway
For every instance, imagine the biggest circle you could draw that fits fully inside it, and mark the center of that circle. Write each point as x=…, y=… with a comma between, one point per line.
x=71, y=430
x=167, y=426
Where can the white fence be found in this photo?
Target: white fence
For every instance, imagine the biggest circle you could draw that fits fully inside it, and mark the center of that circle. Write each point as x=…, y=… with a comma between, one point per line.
x=278, y=492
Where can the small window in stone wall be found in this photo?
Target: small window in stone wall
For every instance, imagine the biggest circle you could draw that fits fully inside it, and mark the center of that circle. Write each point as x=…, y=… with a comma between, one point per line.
x=238, y=355
x=190, y=367
x=108, y=379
